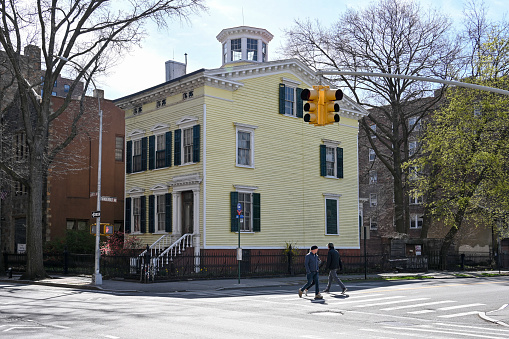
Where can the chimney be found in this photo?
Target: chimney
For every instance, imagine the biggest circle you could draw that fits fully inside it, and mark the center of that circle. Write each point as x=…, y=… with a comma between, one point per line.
x=99, y=93
x=175, y=69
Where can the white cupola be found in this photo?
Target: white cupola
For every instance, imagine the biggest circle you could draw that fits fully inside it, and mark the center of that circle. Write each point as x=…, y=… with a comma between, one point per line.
x=244, y=43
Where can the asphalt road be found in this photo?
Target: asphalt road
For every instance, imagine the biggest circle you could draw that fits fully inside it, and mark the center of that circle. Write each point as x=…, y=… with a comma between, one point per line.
x=437, y=308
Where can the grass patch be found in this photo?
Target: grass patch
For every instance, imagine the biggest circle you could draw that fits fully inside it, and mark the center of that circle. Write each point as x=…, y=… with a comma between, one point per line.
x=409, y=277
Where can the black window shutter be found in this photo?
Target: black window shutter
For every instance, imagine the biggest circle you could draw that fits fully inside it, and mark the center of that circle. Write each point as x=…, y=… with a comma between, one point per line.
x=151, y=152
x=281, y=98
x=339, y=164
x=143, y=216
x=127, y=220
x=323, y=164
x=168, y=150
x=129, y=157
x=177, y=158
x=256, y=212
x=196, y=143
x=151, y=214
x=144, y=154
x=300, y=112
x=234, y=200
x=168, y=212
x=332, y=216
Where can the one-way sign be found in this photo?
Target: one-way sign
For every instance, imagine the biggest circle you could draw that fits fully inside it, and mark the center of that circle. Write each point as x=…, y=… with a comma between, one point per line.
x=96, y=214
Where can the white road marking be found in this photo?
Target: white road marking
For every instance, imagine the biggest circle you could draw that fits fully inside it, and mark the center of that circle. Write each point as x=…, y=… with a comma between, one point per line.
x=418, y=305
x=459, y=306
x=458, y=314
x=391, y=302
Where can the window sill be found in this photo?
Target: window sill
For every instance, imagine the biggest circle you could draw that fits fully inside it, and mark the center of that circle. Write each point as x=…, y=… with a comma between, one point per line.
x=331, y=177
x=291, y=116
x=187, y=164
x=244, y=166
x=332, y=234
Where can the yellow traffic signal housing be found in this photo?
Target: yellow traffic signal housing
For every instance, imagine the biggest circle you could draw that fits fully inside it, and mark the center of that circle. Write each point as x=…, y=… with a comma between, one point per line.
x=106, y=229
x=321, y=107
x=331, y=107
x=311, y=106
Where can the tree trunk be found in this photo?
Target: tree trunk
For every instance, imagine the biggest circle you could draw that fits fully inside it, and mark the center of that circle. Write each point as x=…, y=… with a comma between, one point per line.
x=399, y=208
x=35, y=264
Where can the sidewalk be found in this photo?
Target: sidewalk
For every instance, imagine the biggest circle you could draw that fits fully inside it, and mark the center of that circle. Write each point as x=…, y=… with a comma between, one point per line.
x=500, y=316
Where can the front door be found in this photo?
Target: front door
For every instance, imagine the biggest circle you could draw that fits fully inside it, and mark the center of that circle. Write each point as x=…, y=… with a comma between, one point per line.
x=187, y=212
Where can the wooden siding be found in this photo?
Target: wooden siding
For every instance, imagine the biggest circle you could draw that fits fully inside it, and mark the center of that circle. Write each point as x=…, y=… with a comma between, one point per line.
x=286, y=170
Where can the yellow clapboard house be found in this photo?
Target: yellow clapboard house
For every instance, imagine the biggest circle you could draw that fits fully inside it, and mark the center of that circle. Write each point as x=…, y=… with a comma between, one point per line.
x=202, y=143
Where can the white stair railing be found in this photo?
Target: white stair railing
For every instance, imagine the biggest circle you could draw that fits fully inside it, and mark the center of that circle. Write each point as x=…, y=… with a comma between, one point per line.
x=158, y=246
x=176, y=248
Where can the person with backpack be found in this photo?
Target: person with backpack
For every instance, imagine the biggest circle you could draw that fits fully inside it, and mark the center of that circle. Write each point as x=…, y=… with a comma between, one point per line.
x=333, y=263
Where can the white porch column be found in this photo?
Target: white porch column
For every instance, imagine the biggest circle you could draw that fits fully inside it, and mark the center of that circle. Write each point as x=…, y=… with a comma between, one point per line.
x=196, y=228
x=177, y=227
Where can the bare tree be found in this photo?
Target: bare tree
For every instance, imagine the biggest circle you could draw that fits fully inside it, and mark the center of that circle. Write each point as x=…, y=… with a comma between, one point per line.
x=76, y=34
x=389, y=36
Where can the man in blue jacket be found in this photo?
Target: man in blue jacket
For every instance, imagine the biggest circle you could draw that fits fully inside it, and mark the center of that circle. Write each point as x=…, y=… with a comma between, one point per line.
x=333, y=263
x=312, y=264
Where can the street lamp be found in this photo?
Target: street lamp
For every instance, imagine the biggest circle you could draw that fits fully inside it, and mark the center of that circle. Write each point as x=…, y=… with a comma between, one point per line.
x=97, y=277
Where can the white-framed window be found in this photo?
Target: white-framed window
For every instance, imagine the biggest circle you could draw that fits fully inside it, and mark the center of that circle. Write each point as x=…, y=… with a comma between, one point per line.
x=373, y=128
x=246, y=201
x=236, y=49
x=137, y=155
x=414, y=123
x=412, y=147
x=415, y=199
x=330, y=161
x=225, y=53
x=264, y=52
x=372, y=154
x=290, y=100
x=136, y=201
x=331, y=214
x=373, y=223
x=160, y=150
x=415, y=221
x=160, y=213
x=187, y=145
x=245, y=145
x=373, y=177
x=373, y=200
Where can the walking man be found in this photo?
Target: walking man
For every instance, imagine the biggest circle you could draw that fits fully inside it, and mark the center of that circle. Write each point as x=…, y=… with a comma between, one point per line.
x=312, y=264
x=333, y=263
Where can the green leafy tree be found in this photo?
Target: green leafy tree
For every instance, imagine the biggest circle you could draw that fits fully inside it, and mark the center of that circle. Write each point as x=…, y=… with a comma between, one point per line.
x=84, y=38
x=465, y=147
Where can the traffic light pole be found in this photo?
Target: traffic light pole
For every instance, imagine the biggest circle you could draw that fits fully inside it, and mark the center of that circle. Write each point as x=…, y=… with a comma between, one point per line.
x=97, y=275
x=418, y=78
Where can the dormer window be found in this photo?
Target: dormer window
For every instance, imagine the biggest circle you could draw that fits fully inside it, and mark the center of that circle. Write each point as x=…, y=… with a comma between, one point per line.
x=236, y=49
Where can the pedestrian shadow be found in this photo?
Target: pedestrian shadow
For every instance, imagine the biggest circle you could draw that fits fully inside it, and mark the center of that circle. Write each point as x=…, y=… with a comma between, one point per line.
x=340, y=296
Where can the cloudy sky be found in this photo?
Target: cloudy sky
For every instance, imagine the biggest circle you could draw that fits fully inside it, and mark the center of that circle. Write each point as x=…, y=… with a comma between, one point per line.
x=144, y=67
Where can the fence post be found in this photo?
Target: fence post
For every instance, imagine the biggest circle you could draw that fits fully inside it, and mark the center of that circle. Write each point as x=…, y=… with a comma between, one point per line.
x=6, y=260
x=66, y=260
x=290, y=259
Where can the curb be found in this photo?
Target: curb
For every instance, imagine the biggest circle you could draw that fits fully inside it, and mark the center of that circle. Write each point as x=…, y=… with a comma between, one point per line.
x=484, y=316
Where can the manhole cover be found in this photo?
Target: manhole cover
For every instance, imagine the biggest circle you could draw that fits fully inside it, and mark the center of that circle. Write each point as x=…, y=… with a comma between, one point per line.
x=327, y=313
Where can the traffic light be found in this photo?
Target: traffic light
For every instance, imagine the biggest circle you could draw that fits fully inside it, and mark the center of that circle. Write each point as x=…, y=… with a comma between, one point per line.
x=321, y=107
x=106, y=229
x=311, y=107
x=330, y=106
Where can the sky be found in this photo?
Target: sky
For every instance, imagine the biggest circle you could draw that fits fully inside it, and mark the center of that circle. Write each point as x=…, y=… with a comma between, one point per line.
x=145, y=67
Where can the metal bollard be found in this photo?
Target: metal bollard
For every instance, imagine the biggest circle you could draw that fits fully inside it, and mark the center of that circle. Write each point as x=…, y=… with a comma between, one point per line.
x=9, y=272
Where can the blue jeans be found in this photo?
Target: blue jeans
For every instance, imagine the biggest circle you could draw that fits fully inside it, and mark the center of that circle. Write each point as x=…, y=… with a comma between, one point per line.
x=312, y=278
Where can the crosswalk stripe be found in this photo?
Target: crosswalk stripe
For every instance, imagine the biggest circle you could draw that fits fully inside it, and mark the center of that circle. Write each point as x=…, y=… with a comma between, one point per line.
x=392, y=302
x=458, y=306
x=443, y=331
x=421, y=312
x=458, y=314
x=418, y=305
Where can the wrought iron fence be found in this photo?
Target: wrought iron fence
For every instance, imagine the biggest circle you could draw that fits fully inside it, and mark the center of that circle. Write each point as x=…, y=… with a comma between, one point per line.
x=254, y=263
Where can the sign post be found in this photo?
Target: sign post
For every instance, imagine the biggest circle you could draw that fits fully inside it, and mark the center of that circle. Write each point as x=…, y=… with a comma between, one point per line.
x=239, y=249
